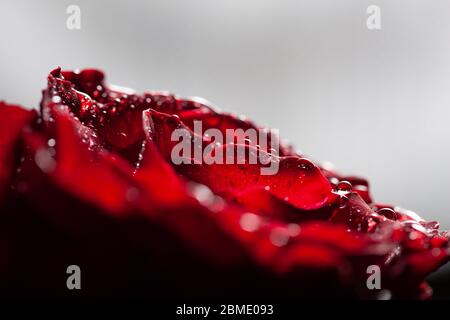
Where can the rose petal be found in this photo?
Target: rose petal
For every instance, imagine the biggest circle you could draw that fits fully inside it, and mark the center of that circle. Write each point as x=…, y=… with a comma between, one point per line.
x=13, y=120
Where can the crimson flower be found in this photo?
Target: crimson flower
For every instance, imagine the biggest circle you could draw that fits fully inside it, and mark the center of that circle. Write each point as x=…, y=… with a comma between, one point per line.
x=88, y=180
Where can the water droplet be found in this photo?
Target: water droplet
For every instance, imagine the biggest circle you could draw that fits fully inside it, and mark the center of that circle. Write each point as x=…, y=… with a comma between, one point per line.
x=264, y=158
x=132, y=194
x=279, y=237
x=414, y=235
x=344, y=186
x=51, y=143
x=334, y=181
x=56, y=99
x=249, y=222
x=51, y=151
x=293, y=229
x=388, y=213
x=436, y=252
x=384, y=295
x=203, y=194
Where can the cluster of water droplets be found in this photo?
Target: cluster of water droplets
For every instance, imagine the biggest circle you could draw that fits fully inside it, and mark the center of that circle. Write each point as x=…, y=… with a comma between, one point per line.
x=206, y=197
x=403, y=226
x=279, y=236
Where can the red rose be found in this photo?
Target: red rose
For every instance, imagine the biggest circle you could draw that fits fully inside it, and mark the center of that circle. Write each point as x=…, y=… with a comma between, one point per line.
x=89, y=181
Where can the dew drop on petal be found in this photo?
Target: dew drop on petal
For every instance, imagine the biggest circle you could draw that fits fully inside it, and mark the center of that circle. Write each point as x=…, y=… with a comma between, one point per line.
x=279, y=237
x=249, y=222
x=203, y=194
x=334, y=181
x=436, y=252
x=384, y=295
x=344, y=186
x=293, y=229
x=44, y=160
x=388, y=213
x=328, y=166
x=51, y=142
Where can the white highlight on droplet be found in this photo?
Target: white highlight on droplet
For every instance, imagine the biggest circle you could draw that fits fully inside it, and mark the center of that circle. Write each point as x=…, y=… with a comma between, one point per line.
x=51, y=143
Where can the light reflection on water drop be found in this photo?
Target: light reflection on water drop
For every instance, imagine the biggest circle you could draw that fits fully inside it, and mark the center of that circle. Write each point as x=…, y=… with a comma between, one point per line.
x=279, y=237
x=56, y=99
x=249, y=222
x=51, y=143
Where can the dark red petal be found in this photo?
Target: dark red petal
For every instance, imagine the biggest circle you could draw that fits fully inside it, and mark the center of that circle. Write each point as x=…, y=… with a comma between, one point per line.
x=264, y=203
x=298, y=181
x=13, y=120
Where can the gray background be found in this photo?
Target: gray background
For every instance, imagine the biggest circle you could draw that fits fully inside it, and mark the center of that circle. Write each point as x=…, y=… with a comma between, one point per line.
x=375, y=103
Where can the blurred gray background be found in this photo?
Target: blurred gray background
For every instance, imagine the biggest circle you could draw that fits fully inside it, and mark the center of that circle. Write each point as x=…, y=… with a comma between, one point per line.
x=374, y=103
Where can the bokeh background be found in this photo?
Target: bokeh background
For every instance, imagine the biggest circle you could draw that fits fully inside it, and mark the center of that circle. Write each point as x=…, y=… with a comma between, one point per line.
x=374, y=103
